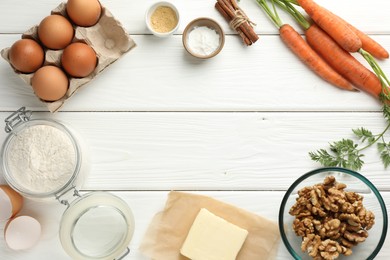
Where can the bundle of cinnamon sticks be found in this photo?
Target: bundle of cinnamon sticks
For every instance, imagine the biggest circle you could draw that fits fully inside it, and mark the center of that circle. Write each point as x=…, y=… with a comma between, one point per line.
x=237, y=20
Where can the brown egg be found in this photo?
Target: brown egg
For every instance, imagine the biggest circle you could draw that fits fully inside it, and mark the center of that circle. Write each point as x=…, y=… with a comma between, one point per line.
x=26, y=55
x=84, y=12
x=11, y=202
x=55, y=32
x=79, y=60
x=50, y=83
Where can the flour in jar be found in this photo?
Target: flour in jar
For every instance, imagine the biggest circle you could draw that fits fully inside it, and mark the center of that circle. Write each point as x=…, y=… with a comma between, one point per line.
x=41, y=158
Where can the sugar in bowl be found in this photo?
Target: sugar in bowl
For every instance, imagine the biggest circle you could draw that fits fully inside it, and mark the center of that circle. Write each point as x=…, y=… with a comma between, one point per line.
x=203, y=38
x=44, y=159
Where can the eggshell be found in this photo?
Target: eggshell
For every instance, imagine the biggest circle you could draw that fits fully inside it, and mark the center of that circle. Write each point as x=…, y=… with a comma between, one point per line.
x=55, y=32
x=11, y=202
x=50, y=83
x=84, y=12
x=26, y=55
x=5, y=206
x=79, y=60
x=22, y=232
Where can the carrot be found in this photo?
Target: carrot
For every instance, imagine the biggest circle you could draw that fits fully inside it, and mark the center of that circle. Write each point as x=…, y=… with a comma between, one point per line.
x=307, y=55
x=303, y=51
x=376, y=84
x=333, y=25
x=369, y=44
x=342, y=61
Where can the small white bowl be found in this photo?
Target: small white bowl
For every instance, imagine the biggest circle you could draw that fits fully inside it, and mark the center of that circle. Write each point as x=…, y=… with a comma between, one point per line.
x=149, y=13
x=210, y=23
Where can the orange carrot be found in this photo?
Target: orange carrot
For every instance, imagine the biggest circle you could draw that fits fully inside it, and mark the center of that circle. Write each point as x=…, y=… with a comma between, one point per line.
x=300, y=47
x=333, y=25
x=343, y=62
x=369, y=44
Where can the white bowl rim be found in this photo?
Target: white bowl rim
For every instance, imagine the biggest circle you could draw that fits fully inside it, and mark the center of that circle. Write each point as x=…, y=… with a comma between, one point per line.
x=190, y=26
x=153, y=7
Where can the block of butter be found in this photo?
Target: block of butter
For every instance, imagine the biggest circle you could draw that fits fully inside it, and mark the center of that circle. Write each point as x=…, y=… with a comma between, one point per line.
x=213, y=238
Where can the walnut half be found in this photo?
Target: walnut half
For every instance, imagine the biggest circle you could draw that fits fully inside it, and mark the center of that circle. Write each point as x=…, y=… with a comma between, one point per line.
x=330, y=220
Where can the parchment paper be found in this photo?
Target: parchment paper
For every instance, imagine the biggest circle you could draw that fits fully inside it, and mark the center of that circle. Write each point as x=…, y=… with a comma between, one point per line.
x=169, y=228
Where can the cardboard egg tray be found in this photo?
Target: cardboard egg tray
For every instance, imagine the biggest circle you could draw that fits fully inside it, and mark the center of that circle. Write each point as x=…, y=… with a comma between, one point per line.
x=108, y=38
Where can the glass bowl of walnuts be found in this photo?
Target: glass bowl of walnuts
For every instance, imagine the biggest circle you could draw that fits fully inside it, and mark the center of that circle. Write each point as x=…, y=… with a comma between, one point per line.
x=333, y=213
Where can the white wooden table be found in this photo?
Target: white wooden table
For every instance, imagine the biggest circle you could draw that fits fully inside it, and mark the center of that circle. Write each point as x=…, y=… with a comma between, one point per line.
x=237, y=127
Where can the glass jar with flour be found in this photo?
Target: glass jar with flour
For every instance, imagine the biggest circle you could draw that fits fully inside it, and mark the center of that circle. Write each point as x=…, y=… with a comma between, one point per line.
x=41, y=158
x=45, y=159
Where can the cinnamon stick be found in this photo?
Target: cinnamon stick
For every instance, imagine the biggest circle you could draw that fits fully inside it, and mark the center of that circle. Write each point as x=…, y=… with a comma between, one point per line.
x=246, y=40
x=244, y=27
x=234, y=4
x=230, y=17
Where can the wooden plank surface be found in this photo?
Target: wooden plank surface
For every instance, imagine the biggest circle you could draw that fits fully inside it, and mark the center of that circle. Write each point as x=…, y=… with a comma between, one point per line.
x=223, y=151
x=144, y=206
x=237, y=127
x=165, y=78
x=19, y=15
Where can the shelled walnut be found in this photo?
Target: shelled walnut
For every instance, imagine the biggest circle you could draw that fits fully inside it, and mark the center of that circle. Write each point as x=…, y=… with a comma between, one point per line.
x=330, y=220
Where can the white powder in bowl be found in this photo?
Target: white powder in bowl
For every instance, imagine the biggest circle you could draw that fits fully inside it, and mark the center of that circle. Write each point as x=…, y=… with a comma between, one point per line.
x=41, y=158
x=203, y=40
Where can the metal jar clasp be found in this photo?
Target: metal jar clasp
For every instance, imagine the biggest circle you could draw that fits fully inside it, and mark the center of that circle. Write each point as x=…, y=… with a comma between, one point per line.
x=18, y=117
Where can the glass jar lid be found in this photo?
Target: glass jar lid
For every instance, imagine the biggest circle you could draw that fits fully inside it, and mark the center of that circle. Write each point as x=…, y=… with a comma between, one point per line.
x=97, y=225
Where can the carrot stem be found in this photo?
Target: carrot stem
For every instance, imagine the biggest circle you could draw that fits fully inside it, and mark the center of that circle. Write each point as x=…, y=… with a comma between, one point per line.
x=379, y=136
x=385, y=82
x=273, y=15
x=375, y=66
x=293, y=2
x=298, y=16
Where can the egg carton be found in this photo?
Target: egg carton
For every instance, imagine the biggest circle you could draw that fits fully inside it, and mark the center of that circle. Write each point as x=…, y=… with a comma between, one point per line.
x=108, y=38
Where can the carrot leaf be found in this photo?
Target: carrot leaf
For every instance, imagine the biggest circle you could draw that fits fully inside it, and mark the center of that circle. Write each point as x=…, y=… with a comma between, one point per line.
x=384, y=149
x=364, y=134
x=324, y=157
x=386, y=112
x=344, y=153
